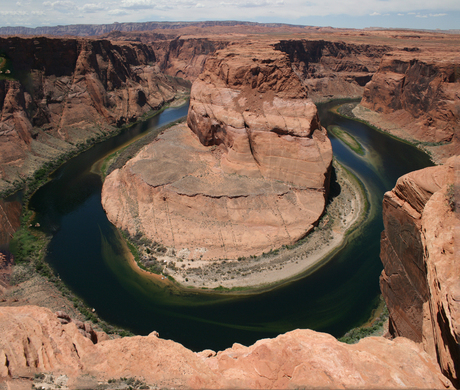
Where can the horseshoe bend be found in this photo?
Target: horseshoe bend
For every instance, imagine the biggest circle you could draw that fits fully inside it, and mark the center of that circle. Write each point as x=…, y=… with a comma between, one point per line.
x=249, y=173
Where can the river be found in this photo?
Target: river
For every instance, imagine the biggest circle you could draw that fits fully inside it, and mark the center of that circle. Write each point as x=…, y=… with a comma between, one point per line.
x=86, y=253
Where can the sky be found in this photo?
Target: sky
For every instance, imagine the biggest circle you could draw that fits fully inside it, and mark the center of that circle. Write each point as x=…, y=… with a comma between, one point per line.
x=418, y=14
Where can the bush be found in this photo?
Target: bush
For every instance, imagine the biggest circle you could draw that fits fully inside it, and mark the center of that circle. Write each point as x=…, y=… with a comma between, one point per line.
x=451, y=196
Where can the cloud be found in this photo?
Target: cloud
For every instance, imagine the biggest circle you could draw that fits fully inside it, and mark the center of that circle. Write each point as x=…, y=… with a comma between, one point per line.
x=437, y=15
x=117, y=11
x=61, y=5
x=13, y=13
x=137, y=4
x=253, y=4
x=199, y=5
x=374, y=14
x=92, y=7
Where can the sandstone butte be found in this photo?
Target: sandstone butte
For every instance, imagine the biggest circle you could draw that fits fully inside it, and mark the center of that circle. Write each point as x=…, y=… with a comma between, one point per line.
x=252, y=176
x=419, y=246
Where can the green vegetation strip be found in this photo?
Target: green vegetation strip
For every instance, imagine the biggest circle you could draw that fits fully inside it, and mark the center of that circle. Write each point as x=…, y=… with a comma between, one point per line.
x=29, y=246
x=346, y=111
x=374, y=327
x=347, y=139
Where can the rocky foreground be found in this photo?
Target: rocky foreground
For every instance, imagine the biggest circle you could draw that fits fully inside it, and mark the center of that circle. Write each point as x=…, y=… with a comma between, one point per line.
x=33, y=340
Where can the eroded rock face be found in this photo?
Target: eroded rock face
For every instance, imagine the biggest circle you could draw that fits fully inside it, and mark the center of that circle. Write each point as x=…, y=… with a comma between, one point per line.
x=333, y=69
x=420, y=252
x=252, y=178
x=185, y=58
x=33, y=340
x=419, y=93
x=63, y=92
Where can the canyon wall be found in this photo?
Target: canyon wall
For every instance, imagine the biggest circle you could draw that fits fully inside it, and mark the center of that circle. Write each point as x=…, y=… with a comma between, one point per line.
x=185, y=58
x=256, y=166
x=333, y=69
x=416, y=95
x=420, y=249
x=58, y=93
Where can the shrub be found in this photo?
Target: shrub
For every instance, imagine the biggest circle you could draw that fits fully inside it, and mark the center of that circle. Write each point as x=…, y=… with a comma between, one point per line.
x=451, y=196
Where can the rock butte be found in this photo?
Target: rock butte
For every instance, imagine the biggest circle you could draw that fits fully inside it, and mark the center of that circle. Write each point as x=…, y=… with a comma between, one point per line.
x=258, y=180
x=419, y=247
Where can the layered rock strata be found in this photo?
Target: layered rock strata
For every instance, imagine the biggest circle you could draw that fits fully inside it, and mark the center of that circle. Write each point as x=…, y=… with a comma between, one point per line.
x=417, y=94
x=254, y=177
x=185, y=58
x=333, y=69
x=33, y=340
x=58, y=93
x=420, y=253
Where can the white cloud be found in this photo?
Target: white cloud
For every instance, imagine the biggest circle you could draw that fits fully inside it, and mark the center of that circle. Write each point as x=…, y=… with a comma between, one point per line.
x=13, y=13
x=404, y=13
x=119, y=12
x=61, y=5
x=137, y=4
x=92, y=7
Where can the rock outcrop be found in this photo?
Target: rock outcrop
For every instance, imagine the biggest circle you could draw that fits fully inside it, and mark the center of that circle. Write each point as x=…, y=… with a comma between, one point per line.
x=255, y=176
x=333, y=69
x=34, y=341
x=185, y=58
x=418, y=93
x=420, y=253
x=58, y=93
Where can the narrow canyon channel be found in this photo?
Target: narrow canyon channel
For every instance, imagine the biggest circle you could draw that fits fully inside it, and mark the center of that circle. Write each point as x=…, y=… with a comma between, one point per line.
x=87, y=253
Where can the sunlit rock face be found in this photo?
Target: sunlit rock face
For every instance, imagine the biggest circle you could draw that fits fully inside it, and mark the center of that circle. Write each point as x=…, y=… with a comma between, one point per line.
x=250, y=174
x=34, y=340
x=418, y=93
x=420, y=252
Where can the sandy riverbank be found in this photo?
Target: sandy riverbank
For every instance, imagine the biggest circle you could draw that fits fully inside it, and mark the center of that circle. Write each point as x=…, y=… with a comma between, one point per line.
x=252, y=273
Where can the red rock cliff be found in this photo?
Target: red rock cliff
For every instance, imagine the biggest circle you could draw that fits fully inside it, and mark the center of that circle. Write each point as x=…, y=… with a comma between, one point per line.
x=419, y=93
x=249, y=100
x=420, y=252
x=333, y=69
x=61, y=92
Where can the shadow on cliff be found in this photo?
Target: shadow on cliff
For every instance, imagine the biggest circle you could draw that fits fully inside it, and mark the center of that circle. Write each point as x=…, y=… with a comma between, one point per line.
x=334, y=187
